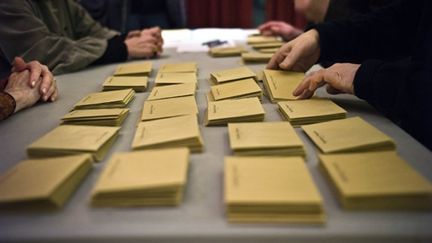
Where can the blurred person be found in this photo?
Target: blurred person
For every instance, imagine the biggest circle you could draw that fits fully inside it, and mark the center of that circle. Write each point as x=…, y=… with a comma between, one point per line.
x=62, y=34
x=374, y=61
x=318, y=11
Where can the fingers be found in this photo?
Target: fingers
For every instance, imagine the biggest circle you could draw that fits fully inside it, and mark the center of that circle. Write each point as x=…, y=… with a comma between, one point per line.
x=18, y=64
x=310, y=84
x=55, y=94
x=36, y=70
x=278, y=57
x=290, y=59
x=50, y=92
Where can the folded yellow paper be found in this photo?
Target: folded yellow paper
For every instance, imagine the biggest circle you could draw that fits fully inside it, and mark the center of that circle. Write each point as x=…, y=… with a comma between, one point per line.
x=145, y=178
x=302, y=112
x=139, y=84
x=271, y=190
x=43, y=182
x=108, y=99
x=279, y=85
x=239, y=89
x=348, y=135
x=172, y=91
x=182, y=131
x=239, y=110
x=176, y=78
x=232, y=74
x=96, y=117
x=157, y=109
x=376, y=180
x=256, y=56
x=226, y=51
x=185, y=67
x=264, y=138
x=74, y=139
x=134, y=69
x=262, y=39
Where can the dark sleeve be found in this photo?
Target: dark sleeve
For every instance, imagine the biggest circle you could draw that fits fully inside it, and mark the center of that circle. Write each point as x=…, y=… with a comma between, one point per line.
x=372, y=36
x=401, y=90
x=7, y=105
x=116, y=51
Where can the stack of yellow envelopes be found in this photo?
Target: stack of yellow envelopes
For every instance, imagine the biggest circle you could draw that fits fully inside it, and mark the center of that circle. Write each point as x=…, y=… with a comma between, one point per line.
x=176, y=78
x=268, y=50
x=147, y=178
x=157, y=109
x=172, y=91
x=271, y=190
x=267, y=45
x=71, y=139
x=43, y=183
x=134, y=69
x=96, y=117
x=108, y=99
x=376, y=180
x=260, y=39
x=182, y=131
x=184, y=67
x=279, y=85
x=139, y=84
x=265, y=138
x=348, y=135
x=239, y=110
x=302, y=112
x=243, y=88
x=226, y=51
x=256, y=56
x=232, y=74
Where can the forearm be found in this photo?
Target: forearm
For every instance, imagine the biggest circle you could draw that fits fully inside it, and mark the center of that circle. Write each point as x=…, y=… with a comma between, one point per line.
x=401, y=90
x=7, y=105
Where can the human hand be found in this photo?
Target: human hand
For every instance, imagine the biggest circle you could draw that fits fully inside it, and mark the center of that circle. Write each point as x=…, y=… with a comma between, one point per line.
x=133, y=33
x=339, y=79
x=280, y=28
x=156, y=33
x=24, y=95
x=297, y=55
x=48, y=87
x=141, y=47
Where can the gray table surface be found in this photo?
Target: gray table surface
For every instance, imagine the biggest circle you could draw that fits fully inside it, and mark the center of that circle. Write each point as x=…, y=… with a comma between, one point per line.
x=201, y=216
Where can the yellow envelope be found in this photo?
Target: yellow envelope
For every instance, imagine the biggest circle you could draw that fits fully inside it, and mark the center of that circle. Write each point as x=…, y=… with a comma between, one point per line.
x=280, y=84
x=139, y=84
x=182, y=131
x=348, y=135
x=376, y=180
x=224, y=111
x=152, y=177
x=134, y=69
x=232, y=75
x=157, y=109
x=240, y=88
x=175, y=78
x=172, y=91
x=43, y=182
x=256, y=56
x=108, y=99
x=71, y=139
x=255, y=138
x=185, y=67
x=226, y=51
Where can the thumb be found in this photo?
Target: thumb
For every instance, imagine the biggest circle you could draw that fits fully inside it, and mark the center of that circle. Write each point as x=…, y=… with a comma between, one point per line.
x=18, y=65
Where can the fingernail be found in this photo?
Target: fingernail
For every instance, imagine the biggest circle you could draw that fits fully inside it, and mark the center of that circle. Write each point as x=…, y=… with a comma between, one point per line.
x=44, y=90
x=33, y=83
